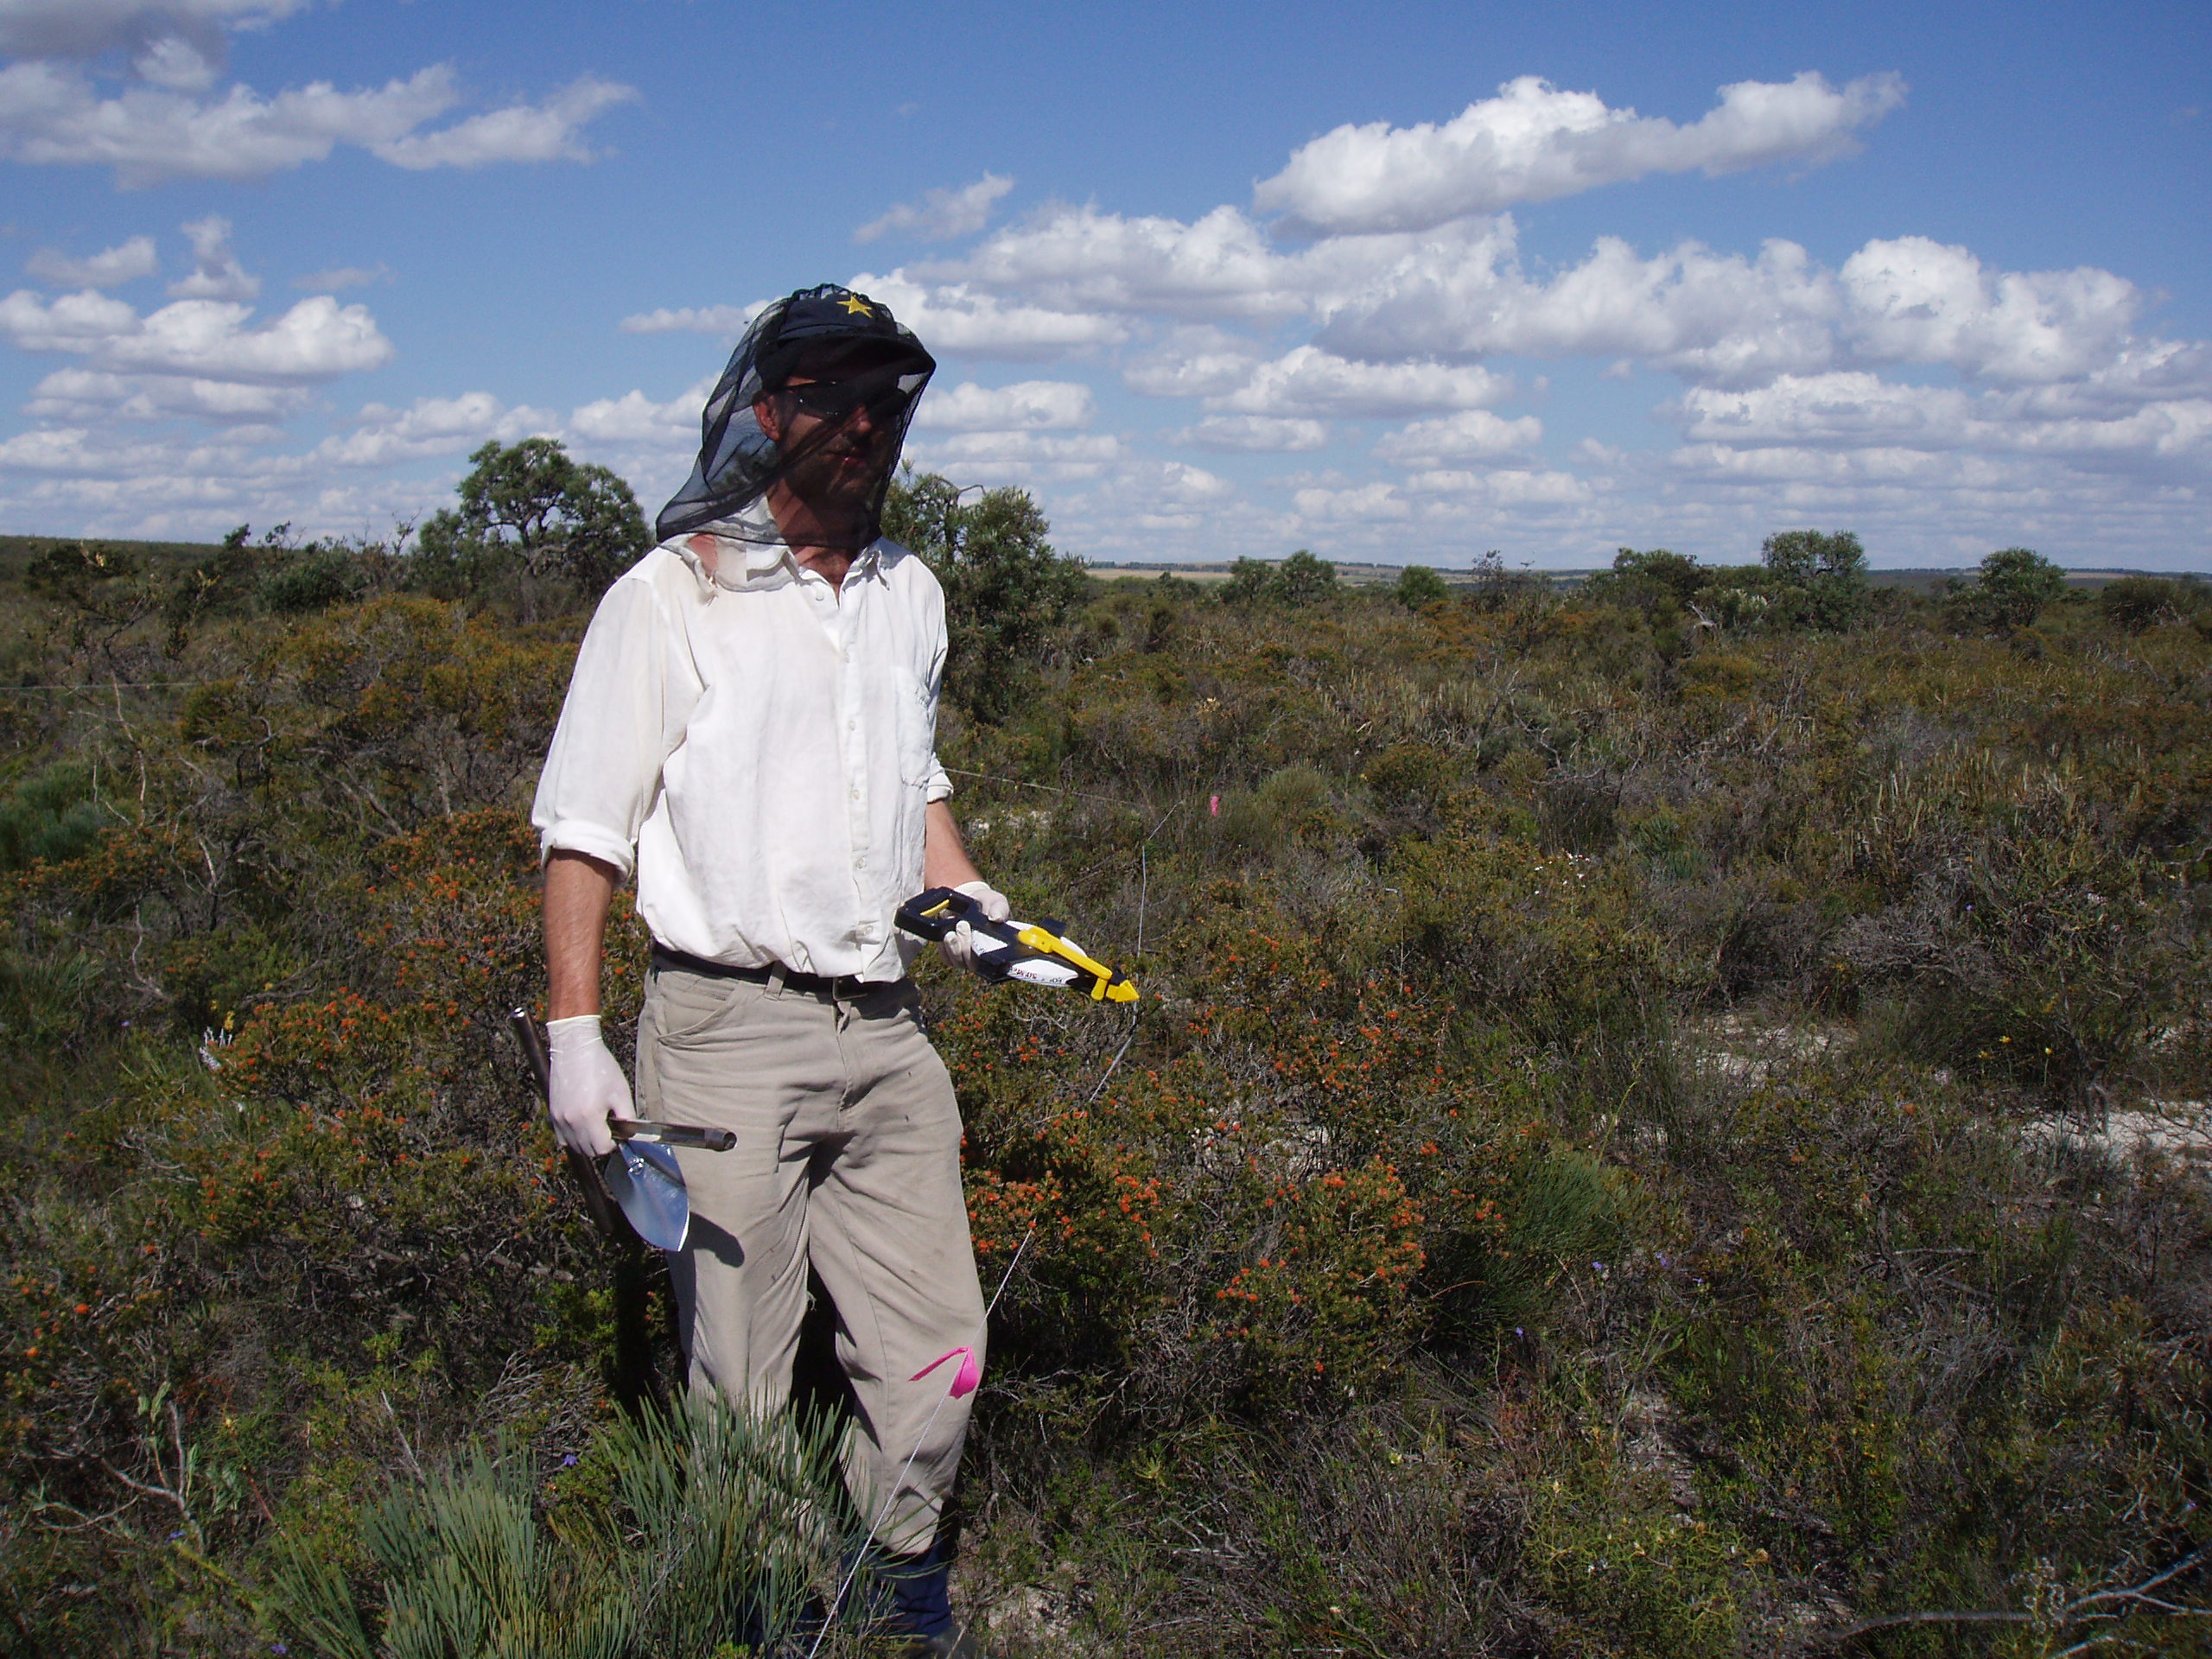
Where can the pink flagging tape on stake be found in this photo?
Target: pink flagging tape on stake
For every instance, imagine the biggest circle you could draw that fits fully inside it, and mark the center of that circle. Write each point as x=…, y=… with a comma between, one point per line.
x=964, y=1380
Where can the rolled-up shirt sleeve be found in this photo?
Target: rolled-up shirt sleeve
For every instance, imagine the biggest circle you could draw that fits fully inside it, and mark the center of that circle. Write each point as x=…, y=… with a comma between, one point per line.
x=626, y=705
x=939, y=785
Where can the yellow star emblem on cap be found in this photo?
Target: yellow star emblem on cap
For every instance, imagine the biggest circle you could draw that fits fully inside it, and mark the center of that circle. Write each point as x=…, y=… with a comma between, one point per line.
x=853, y=304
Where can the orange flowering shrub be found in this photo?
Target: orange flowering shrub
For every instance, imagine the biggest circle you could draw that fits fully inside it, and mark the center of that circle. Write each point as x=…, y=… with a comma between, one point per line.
x=1245, y=1214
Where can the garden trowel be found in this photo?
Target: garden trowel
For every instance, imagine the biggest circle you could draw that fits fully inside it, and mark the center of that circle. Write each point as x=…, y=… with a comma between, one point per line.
x=640, y=1175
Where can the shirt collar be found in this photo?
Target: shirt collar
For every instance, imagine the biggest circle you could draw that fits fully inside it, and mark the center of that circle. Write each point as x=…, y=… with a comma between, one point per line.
x=866, y=562
x=764, y=560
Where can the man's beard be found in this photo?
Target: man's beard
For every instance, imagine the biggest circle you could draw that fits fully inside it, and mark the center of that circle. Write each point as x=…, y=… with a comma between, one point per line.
x=839, y=481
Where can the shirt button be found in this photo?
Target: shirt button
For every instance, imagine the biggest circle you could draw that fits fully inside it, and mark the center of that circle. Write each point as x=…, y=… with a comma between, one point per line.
x=857, y=794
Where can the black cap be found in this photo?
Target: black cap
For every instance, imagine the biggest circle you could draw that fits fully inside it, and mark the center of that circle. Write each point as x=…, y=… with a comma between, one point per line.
x=827, y=327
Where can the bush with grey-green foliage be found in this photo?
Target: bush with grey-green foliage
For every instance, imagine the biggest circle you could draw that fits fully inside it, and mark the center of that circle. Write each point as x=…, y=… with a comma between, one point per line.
x=2012, y=587
x=1300, y=580
x=1419, y=585
x=1807, y=581
x=528, y=509
x=1006, y=588
x=313, y=579
x=1820, y=577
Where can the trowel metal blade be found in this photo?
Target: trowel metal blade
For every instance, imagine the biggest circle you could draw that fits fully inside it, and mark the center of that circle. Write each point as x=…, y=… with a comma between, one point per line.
x=645, y=1180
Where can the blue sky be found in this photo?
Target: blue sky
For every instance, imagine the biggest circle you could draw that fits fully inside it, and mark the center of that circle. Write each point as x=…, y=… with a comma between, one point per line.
x=1211, y=281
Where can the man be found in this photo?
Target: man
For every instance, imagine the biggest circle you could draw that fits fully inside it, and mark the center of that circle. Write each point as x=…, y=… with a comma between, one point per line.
x=751, y=728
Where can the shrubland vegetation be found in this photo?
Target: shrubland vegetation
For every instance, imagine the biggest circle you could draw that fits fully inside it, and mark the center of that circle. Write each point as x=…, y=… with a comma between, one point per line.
x=1650, y=1130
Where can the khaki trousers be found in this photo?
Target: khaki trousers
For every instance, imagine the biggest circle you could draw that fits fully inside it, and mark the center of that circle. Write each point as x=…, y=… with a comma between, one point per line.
x=847, y=1158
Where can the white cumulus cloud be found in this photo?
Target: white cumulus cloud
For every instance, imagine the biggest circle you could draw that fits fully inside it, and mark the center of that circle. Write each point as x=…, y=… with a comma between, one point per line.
x=726, y=319
x=216, y=274
x=1728, y=319
x=1017, y=457
x=52, y=114
x=1471, y=434
x=1361, y=503
x=1506, y=486
x=431, y=426
x=1859, y=409
x=547, y=131
x=942, y=215
x=1220, y=267
x=1710, y=315
x=1025, y=406
x=1916, y=301
x=634, y=418
x=317, y=339
x=961, y=319
x=55, y=449
x=93, y=394
x=1082, y=260
x=1197, y=360
x=1307, y=381
x=125, y=262
x=1534, y=142
x=1255, y=434
x=1448, y=502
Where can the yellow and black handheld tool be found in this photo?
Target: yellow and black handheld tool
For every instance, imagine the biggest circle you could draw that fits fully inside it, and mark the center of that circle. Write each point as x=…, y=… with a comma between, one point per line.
x=1033, y=952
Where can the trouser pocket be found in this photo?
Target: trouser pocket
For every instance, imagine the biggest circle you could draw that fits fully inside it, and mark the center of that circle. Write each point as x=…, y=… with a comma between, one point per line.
x=687, y=1010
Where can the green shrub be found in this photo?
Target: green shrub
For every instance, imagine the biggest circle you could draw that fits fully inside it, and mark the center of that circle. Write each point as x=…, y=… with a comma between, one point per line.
x=1299, y=581
x=2135, y=603
x=1821, y=577
x=1645, y=580
x=529, y=508
x=103, y=590
x=1418, y=587
x=2014, y=587
x=49, y=815
x=1006, y=588
x=313, y=579
x=1292, y=803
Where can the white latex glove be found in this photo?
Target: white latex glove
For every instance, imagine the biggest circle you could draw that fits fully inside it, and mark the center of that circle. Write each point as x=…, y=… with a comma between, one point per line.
x=588, y=1086
x=959, y=945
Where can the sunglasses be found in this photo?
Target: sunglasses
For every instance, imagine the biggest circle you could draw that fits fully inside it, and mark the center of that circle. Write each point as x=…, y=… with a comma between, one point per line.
x=830, y=398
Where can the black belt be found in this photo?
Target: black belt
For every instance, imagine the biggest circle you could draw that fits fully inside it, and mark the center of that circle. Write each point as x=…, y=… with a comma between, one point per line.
x=842, y=987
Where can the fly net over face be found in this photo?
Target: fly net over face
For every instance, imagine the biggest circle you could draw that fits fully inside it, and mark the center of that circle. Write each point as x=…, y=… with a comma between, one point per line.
x=802, y=434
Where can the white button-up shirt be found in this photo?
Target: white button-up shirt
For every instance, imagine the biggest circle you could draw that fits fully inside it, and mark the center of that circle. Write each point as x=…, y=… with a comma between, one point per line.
x=759, y=749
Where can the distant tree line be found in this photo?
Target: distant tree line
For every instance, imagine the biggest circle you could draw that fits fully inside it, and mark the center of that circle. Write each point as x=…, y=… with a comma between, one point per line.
x=1807, y=581
x=535, y=532
x=533, y=527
